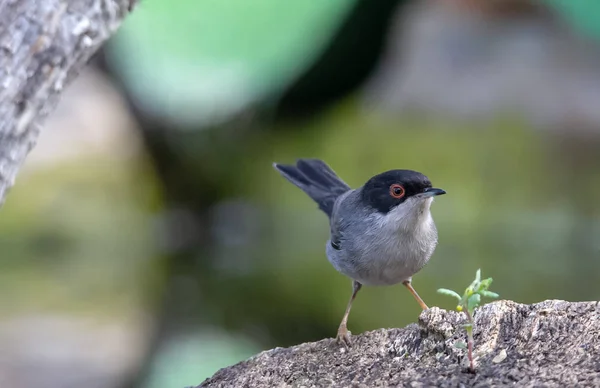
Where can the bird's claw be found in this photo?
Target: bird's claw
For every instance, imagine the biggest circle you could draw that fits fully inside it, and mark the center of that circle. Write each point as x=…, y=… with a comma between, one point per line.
x=343, y=337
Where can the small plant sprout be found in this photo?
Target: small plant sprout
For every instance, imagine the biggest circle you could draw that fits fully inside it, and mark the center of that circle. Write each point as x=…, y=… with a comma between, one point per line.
x=467, y=303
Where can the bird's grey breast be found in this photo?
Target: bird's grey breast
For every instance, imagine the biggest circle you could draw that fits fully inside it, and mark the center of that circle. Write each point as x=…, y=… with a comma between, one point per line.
x=380, y=249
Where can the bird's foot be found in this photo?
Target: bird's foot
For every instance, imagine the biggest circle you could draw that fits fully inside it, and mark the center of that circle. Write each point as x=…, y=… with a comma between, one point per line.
x=343, y=336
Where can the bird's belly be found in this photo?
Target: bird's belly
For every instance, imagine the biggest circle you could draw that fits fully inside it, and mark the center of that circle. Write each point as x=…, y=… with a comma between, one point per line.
x=382, y=266
x=388, y=270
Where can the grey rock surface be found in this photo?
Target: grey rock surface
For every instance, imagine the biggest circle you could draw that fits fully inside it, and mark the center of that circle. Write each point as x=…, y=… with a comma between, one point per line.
x=549, y=344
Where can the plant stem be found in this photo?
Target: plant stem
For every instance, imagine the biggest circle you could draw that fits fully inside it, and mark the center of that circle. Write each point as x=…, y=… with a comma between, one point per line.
x=470, y=340
x=470, y=350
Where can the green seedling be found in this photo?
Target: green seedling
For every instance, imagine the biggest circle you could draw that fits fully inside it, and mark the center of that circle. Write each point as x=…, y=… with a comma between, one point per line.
x=467, y=303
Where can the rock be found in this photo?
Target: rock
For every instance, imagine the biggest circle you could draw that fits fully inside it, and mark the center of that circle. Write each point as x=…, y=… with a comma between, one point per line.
x=500, y=357
x=550, y=344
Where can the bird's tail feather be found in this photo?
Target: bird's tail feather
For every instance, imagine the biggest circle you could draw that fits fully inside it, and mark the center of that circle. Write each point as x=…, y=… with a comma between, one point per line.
x=317, y=180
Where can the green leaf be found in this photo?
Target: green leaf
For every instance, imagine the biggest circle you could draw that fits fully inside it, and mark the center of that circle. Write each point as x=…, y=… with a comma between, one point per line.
x=473, y=302
x=460, y=345
x=445, y=291
x=478, y=276
x=485, y=284
x=489, y=294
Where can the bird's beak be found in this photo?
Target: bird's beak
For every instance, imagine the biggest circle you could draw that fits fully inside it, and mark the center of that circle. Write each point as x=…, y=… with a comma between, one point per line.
x=432, y=192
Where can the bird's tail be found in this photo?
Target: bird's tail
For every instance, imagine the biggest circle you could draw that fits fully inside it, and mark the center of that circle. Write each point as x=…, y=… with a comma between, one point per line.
x=317, y=180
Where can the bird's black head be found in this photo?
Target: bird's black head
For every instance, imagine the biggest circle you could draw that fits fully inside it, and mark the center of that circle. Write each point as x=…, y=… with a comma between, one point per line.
x=387, y=190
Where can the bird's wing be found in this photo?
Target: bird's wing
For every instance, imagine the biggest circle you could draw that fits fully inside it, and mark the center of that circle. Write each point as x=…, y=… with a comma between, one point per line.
x=338, y=223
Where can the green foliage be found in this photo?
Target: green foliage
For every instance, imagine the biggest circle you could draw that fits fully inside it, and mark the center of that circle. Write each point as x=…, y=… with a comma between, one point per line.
x=467, y=303
x=448, y=292
x=205, y=54
x=471, y=299
x=582, y=15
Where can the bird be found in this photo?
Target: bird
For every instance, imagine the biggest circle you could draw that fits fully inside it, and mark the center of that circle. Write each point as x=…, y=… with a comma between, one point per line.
x=381, y=233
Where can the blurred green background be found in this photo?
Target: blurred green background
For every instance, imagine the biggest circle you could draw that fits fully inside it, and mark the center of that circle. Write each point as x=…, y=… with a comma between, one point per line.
x=149, y=242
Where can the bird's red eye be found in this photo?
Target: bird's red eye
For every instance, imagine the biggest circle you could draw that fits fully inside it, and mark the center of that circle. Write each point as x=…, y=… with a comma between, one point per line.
x=397, y=191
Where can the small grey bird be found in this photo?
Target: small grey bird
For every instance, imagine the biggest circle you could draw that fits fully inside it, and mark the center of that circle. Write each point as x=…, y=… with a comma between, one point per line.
x=381, y=233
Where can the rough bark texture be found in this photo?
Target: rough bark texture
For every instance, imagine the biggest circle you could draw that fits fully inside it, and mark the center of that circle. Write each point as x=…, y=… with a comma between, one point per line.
x=43, y=43
x=550, y=344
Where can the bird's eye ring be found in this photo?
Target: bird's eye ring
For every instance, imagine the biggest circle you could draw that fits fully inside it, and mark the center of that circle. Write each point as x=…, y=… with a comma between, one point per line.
x=397, y=191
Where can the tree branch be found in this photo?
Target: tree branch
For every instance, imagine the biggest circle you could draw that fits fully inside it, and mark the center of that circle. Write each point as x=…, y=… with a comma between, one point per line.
x=43, y=44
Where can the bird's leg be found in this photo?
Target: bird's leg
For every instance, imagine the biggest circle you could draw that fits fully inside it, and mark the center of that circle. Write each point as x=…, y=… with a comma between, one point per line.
x=343, y=335
x=414, y=293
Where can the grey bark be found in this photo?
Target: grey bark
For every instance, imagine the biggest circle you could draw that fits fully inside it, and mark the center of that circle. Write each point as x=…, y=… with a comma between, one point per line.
x=549, y=344
x=43, y=44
